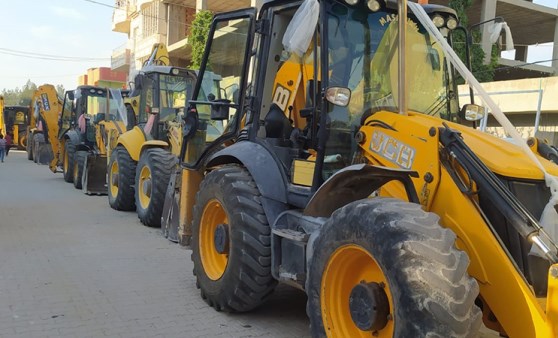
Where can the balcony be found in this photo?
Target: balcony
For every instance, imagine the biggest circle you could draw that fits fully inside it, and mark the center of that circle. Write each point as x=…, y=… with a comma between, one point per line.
x=142, y=4
x=120, y=17
x=145, y=45
x=121, y=58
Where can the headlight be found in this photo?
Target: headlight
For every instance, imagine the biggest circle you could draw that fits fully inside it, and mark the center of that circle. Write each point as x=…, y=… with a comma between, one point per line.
x=373, y=5
x=351, y=2
x=438, y=21
x=452, y=23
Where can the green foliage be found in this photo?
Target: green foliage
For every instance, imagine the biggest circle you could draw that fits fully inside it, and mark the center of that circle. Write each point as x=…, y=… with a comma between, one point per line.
x=60, y=91
x=198, y=36
x=19, y=97
x=22, y=96
x=482, y=72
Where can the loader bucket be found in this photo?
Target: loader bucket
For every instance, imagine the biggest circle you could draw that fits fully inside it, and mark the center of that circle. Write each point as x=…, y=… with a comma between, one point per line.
x=94, y=175
x=170, y=217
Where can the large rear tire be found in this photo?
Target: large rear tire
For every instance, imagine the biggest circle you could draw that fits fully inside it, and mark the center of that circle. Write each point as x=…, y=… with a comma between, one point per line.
x=68, y=161
x=231, y=241
x=152, y=178
x=400, y=254
x=79, y=167
x=121, y=179
x=37, y=140
x=29, y=147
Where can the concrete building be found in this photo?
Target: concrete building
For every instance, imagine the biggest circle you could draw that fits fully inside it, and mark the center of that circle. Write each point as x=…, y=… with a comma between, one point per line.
x=530, y=24
x=103, y=77
x=160, y=21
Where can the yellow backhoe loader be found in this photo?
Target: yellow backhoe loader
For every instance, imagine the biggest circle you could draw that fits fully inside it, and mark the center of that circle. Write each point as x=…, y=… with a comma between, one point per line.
x=375, y=196
x=145, y=156
x=91, y=116
x=15, y=120
x=42, y=128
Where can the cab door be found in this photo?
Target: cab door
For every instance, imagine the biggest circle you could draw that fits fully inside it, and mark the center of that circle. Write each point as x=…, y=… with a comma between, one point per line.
x=216, y=107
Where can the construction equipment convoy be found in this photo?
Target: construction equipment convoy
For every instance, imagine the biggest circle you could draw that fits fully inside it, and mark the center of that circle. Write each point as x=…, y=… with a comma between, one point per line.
x=145, y=156
x=368, y=190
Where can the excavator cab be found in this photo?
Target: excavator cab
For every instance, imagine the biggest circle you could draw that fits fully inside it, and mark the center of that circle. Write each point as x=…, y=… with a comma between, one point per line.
x=162, y=94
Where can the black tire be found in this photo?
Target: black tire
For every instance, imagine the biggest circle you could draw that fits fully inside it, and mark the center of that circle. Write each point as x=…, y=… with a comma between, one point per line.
x=37, y=140
x=79, y=167
x=29, y=147
x=160, y=163
x=432, y=293
x=247, y=280
x=124, y=199
x=68, y=170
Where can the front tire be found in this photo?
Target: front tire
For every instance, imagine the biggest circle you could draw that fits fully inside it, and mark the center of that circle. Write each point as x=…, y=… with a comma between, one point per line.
x=396, y=249
x=121, y=179
x=68, y=161
x=79, y=167
x=36, y=145
x=234, y=275
x=29, y=147
x=152, y=178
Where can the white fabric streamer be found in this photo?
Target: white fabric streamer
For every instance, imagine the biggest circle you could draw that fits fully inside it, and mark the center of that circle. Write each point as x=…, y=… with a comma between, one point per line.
x=549, y=218
x=301, y=28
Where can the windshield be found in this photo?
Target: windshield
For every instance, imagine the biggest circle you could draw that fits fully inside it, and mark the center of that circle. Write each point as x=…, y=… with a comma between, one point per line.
x=363, y=48
x=66, y=117
x=117, y=110
x=169, y=95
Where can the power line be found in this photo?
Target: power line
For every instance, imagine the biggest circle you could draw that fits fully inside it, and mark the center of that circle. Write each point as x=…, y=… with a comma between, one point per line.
x=149, y=15
x=49, y=56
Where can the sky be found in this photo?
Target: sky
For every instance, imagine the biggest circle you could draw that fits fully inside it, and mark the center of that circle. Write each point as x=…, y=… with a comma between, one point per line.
x=76, y=29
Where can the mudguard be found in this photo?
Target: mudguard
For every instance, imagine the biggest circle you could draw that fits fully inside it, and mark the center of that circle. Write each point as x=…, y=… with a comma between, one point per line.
x=133, y=140
x=261, y=165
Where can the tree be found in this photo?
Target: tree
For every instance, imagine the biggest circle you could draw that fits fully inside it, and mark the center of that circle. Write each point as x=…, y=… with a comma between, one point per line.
x=60, y=90
x=482, y=72
x=198, y=36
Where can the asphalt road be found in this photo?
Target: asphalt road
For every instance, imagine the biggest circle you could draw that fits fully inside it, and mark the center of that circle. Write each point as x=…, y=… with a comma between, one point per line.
x=70, y=266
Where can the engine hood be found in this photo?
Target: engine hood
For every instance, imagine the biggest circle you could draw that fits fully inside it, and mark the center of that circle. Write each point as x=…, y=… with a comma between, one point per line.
x=501, y=156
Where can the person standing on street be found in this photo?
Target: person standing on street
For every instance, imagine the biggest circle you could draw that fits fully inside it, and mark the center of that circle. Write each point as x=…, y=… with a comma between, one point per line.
x=8, y=143
x=2, y=147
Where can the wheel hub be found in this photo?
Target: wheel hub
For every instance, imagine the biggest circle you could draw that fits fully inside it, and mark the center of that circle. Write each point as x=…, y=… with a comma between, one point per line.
x=221, y=238
x=369, y=306
x=114, y=180
x=147, y=187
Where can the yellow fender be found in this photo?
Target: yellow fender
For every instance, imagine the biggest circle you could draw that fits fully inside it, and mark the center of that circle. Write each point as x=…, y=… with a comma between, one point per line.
x=153, y=144
x=132, y=140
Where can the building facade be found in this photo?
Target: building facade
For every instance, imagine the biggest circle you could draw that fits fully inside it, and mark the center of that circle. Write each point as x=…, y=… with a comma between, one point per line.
x=147, y=22
x=103, y=77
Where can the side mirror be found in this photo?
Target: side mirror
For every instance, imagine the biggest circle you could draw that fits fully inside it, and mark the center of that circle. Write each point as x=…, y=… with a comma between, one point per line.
x=220, y=109
x=70, y=95
x=339, y=96
x=472, y=112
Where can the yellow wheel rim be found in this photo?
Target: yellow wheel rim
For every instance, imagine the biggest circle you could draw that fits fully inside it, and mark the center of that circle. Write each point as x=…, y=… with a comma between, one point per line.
x=66, y=162
x=348, y=266
x=75, y=170
x=144, y=189
x=113, y=179
x=214, y=263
